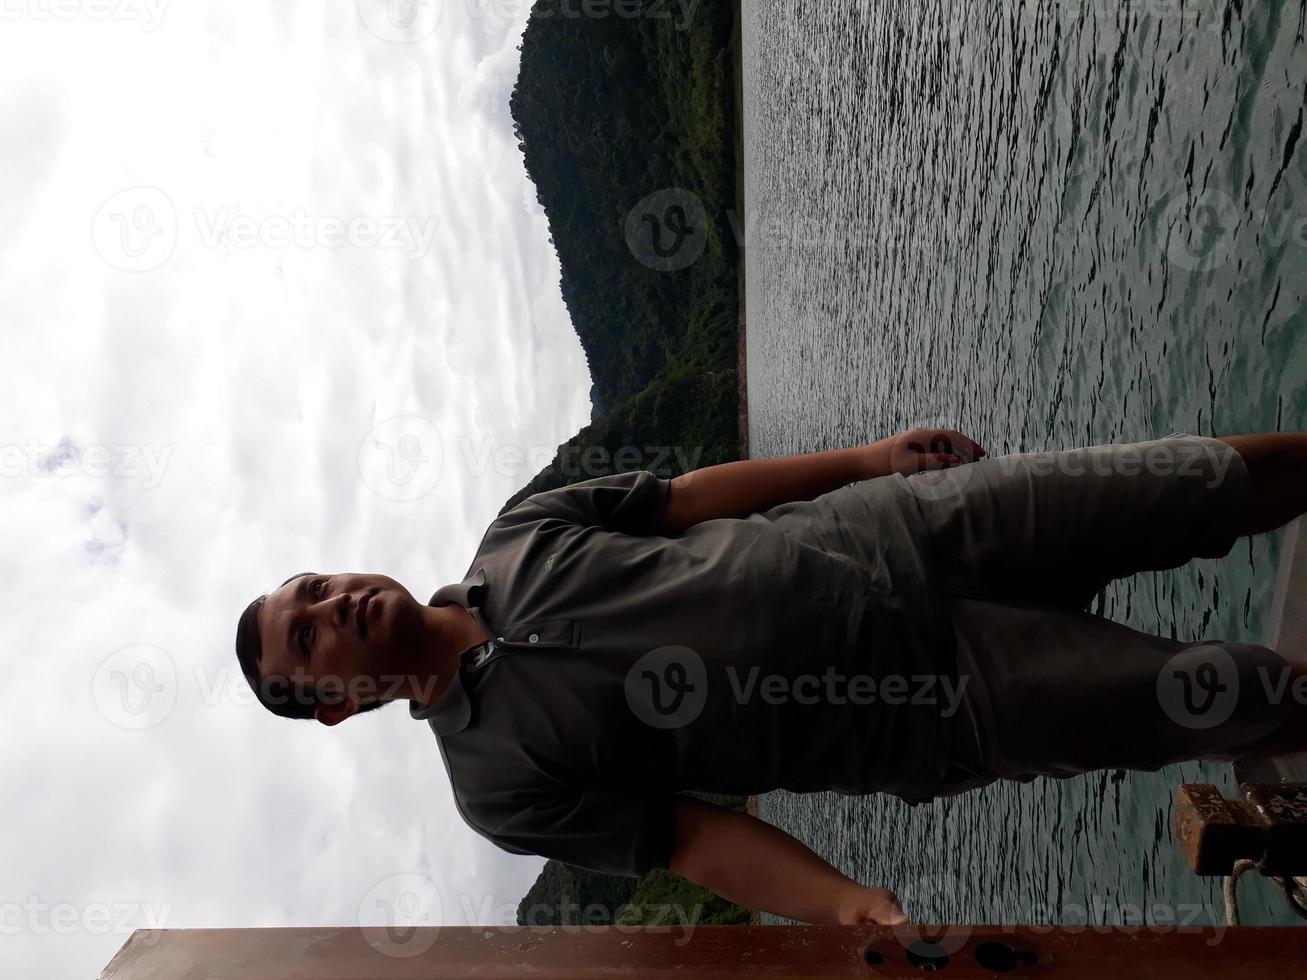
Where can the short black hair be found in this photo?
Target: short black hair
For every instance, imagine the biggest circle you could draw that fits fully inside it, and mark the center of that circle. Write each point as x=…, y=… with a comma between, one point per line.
x=276, y=693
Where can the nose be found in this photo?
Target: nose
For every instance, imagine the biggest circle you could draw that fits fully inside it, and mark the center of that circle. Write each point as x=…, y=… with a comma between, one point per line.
x=340, y=609
x=334, y=610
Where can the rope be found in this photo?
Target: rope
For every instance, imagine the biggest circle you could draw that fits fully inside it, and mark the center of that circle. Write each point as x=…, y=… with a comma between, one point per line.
x=1230, y=885
x=1295, y=891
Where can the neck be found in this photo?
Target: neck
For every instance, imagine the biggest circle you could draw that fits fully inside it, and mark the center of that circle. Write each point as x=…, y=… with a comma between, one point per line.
x=452, y=630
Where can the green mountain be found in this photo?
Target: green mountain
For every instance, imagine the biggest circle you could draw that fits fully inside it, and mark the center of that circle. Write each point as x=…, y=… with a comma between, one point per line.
x=565, y=895
x=608, y=111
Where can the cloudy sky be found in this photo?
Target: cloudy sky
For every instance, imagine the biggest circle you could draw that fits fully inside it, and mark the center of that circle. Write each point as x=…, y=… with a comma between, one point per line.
x=276, y=296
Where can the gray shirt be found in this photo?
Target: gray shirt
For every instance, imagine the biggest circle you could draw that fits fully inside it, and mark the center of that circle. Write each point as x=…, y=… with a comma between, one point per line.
x=739, y=656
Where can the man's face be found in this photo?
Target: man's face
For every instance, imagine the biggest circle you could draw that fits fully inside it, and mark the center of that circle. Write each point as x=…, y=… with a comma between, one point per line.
x=344, y=634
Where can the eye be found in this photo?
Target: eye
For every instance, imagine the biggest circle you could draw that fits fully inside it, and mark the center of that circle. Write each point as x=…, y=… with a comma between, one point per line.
x=319, y=586
x=305, y=638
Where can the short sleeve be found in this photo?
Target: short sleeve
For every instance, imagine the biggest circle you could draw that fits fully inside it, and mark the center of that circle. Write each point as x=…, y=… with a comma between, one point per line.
x=630, y=502
x=607, y=831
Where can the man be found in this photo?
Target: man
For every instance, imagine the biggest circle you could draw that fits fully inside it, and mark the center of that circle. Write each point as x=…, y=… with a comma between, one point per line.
x=901, y=617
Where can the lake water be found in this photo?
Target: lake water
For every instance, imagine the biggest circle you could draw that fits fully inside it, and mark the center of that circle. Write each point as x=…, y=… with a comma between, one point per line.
x=1050, y=224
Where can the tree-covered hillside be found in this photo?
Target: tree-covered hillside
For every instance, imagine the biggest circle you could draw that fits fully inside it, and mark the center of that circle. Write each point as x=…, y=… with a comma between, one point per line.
x=564, y=895
x=608, y=111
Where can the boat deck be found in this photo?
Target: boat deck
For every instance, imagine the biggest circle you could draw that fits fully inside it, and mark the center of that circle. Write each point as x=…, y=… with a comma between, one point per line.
x=1287, y=635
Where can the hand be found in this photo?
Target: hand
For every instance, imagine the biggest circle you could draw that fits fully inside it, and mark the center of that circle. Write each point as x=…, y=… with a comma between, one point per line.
x=870, y=906
x=915, y=450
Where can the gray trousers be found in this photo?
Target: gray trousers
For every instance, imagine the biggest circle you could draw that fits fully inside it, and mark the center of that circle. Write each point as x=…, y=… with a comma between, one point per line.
x=1022, y=543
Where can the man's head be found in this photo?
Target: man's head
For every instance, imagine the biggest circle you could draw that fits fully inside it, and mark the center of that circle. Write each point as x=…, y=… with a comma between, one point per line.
x=329, y=646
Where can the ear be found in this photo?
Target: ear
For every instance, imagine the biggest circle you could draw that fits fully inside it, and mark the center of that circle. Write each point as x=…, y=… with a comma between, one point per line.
x=334, y=714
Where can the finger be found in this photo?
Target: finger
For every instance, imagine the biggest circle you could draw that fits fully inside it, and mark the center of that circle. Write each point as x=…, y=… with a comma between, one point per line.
x=975, y=449
x=970, y=447
x=962, y=446
x=938, y=461
x=893, y=914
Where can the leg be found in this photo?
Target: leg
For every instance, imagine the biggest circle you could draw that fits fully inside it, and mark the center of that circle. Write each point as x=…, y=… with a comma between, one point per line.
x=1057, y=692
x=1055, y=527
x=1292, y=735
x=1277, y=466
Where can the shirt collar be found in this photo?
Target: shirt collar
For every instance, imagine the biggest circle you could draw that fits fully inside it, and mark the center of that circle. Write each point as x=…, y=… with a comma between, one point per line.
x=451, y=712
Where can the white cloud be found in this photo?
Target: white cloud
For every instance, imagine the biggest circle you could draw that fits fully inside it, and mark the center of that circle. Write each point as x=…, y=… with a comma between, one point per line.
x=252, y=372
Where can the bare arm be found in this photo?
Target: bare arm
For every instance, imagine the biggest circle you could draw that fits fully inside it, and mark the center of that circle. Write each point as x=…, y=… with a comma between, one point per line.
x=748, y=486
x=751, y=863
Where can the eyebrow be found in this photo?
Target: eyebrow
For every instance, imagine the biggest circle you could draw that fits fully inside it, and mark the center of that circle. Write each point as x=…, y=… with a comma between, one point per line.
x=296, y=596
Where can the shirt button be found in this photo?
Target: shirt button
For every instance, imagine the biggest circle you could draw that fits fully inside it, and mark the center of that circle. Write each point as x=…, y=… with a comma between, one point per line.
x=533, y=637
